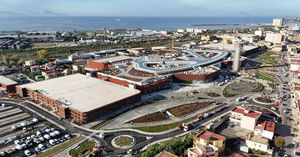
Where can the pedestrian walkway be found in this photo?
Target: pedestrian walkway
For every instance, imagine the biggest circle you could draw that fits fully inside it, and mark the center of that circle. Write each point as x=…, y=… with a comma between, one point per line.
x=65, y=152
x=121, y=121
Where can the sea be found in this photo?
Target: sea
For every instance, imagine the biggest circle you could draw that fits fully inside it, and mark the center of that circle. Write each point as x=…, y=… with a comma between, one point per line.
x=70, y=23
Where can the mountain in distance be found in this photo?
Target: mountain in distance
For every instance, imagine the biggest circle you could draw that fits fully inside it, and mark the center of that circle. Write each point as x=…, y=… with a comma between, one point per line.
x=30, y=14
x=10, y=14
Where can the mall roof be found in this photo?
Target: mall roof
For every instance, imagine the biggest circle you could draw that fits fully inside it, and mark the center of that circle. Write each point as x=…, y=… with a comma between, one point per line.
x=228, y=47
x=7, y=81
x=113, y=59
x=81, y=92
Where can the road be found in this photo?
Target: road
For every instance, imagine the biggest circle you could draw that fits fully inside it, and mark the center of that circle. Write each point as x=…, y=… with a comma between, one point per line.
x=285, y=108
x=105, y=143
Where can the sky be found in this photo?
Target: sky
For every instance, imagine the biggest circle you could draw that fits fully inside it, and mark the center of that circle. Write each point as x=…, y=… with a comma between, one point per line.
x=278, y=8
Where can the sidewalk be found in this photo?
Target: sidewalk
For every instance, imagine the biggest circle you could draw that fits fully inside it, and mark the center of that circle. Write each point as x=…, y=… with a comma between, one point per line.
x=65, y=152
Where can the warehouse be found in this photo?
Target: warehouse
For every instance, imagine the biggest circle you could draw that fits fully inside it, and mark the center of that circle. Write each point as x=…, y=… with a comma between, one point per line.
x=81, y=98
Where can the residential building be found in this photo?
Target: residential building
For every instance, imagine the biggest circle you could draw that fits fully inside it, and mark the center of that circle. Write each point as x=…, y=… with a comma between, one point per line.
x=203, y=151
x=278, y=22
x=206, y=138
x=238, y=155
x=258, y=33
x=245, y=118
x=29, y=63
x=258, y=143
x=274, y=38
x=265, y=129
x=165, y=154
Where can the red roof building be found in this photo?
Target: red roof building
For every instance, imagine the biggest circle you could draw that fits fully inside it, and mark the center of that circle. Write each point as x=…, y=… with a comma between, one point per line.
x=165, y=154
x=238, y=155
x=244, y=118
x=249, y=113
x=265, y=129
x=209, y=138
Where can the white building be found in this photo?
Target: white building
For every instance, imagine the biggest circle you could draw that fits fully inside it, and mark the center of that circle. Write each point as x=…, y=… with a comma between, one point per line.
x=265, y=129
x=278, y=22
x=258, y=33
x=275, y=38
x=258, y=143
x=180, y=30
x=30, y=63
x=195, y=30
x=244, y=118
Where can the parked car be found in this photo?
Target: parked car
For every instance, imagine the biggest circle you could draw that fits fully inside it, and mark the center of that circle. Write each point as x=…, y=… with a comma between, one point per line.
x=27, y=152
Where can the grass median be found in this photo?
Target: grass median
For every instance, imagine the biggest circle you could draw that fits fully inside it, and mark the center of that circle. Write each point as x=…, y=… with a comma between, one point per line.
x=265, y=76
x=60, y=147
x=82, y=148
x=165, y=127
x=268, y=58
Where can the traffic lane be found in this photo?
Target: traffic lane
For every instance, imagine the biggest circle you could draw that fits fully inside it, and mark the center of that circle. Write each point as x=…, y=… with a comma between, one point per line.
x=104, y=143
x=69, y=128
x=172, y=134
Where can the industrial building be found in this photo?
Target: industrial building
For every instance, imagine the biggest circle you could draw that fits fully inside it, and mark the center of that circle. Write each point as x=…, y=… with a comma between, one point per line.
x=81, y=98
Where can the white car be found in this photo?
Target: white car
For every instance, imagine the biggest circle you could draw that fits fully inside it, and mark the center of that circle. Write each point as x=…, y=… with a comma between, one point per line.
x=2, y=153
x=46, y=136
x=52, y=142
x=41, y=139
x=24, y=145
x=17, y=142
x=41, y=146
x=67, y=136
x=27, y=152
x=37, y=149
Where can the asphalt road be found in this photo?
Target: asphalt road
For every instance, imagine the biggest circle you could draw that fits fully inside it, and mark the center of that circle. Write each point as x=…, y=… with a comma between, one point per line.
x=285, y=110
x=105, y=144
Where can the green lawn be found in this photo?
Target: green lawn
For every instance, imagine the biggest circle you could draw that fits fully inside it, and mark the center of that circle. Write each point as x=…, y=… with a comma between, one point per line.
x=82, y=148
x=60, y=147
x=267, y=58
x=265, y=76
x=160, y=128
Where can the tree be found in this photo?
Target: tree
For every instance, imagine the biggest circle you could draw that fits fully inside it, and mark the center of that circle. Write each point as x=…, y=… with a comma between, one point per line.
x=5, y=60
x=42, y=54
x=279, y=142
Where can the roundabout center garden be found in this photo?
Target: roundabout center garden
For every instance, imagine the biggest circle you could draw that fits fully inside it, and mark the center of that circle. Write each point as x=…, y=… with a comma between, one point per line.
x=242, y=87
x=123, y=141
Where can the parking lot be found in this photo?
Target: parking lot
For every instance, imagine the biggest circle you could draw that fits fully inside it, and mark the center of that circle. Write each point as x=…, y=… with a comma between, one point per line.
x=232, y=131
x=23, y=134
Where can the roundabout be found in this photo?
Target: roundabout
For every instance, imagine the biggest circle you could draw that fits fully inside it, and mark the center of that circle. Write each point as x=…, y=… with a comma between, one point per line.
x=123, y=142
x=242, y=87
x=263, y=101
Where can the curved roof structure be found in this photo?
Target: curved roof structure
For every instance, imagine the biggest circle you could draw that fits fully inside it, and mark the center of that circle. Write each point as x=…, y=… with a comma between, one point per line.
x=193, y=60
